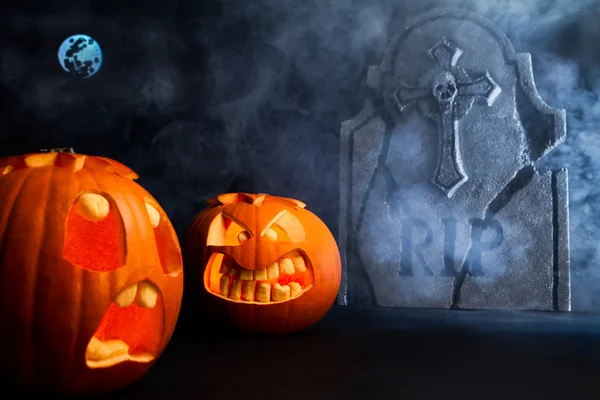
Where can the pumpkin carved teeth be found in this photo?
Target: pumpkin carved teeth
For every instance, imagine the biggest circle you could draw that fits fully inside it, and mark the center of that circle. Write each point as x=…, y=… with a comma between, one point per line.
x=99, y=350
x=273, y=270
x=102, y=354
x=249, y=289
x=261, y=275
x=245, y=275
x=286, y=266
x=295, y=289
x=236, y=290
x=281, y=293
x=144, y=294
x=147, y=295
x=126, y=297
x=285, y=279
x=263, y=292
x=298, y=262
x=224, y=285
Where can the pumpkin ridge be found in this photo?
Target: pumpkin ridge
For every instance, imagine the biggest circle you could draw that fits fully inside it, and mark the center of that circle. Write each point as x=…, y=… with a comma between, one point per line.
x=36, y=269
x=81, y=290
x=119, y=203
x=79, y=319
x=114, y=278
x=92, y=185
x=10, y=215
x=138, y=220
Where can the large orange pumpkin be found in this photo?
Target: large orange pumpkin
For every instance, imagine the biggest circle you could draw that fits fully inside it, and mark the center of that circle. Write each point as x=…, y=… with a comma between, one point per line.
x=263, y=263
x=91, y=277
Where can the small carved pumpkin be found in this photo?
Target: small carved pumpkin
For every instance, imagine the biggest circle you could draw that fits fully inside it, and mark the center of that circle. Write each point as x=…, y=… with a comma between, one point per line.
x=264, y=263
x=90, y=274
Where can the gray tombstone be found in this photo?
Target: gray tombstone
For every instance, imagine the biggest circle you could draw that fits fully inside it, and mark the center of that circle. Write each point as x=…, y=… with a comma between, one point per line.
x=441, y=204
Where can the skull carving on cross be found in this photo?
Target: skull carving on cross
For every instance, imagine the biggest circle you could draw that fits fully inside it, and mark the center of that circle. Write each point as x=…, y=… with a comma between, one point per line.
x=447, y=98
x=444, y=87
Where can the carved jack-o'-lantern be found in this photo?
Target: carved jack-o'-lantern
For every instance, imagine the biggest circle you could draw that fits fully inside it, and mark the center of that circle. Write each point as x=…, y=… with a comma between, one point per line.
x=90, y=274
x=263, y=263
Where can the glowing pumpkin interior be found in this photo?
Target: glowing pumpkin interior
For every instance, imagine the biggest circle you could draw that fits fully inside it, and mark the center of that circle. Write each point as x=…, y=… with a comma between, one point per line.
x=287, y=278
x=132, y=327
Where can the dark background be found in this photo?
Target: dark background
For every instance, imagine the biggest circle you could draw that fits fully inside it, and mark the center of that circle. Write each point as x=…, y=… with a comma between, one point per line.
x=203, y=97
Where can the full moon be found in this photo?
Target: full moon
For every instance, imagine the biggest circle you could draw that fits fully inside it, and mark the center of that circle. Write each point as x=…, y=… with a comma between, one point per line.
x=80, y=55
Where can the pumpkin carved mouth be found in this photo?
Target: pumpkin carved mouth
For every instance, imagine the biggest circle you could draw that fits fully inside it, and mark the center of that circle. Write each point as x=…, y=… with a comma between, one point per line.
x=285, y=279
x=128, y=330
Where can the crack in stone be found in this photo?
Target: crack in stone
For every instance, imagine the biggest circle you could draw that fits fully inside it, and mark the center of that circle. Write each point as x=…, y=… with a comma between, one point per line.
x=501, y=200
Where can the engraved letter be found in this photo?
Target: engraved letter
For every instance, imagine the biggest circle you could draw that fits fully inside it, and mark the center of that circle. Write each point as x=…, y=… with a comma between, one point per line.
x=449, y=246
x=408, y=247
x=478, y=226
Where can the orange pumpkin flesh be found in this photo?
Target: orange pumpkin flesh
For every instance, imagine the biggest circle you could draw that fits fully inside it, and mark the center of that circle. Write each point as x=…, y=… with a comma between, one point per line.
x=90, y=274
x=129, y=333
x=109, y=250
x=262, y=263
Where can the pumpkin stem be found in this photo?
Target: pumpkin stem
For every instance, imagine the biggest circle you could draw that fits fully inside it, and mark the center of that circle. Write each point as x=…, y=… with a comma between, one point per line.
x=59, y=150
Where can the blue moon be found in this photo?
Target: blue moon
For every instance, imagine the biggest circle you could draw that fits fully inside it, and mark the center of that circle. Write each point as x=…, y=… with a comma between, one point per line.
x=80, y=55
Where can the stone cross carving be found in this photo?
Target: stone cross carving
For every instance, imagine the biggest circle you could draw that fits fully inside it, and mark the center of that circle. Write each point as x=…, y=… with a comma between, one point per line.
x=496, y=236
x=454, y=93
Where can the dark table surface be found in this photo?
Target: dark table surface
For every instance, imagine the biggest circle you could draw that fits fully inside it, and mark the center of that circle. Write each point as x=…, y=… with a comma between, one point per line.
x=385, y=354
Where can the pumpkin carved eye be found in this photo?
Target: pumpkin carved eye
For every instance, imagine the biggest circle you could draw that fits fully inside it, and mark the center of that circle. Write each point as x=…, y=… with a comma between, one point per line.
x=166, y=243
x=153, y=214
x=95, y=215
x=243, y=237
x=286, y=228
x=225, y=230
x=271, y=234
